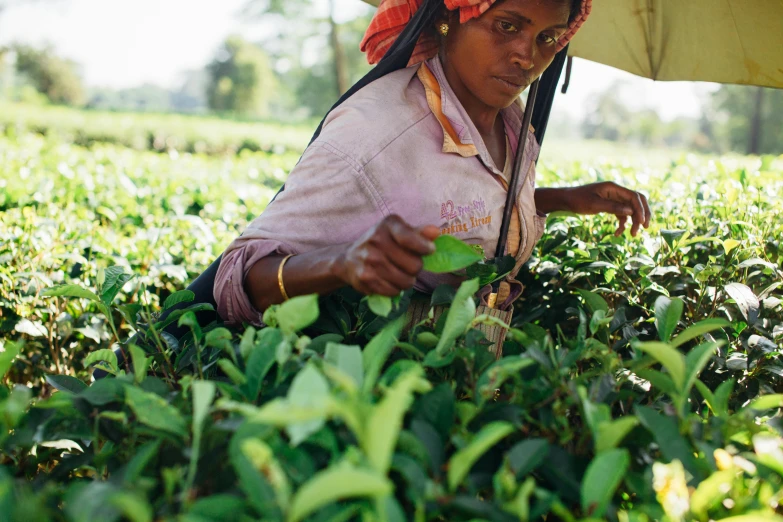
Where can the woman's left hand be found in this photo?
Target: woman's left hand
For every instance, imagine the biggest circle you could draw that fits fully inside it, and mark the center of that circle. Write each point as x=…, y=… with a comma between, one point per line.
x=611, y=198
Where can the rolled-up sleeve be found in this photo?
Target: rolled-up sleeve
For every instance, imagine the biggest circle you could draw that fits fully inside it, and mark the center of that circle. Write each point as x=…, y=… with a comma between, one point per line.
x=327, y=200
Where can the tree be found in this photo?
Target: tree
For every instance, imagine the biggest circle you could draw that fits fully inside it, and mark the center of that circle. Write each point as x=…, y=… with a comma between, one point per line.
x=240, y=79
x=317, y=57
x=748, y=118
x=55, y=77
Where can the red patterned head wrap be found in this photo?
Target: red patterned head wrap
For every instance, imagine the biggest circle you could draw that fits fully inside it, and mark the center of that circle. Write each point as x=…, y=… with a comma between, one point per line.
x=393, y=15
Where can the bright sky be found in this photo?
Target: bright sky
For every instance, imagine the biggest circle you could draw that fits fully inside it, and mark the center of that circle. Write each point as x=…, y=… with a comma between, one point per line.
x=123, y=43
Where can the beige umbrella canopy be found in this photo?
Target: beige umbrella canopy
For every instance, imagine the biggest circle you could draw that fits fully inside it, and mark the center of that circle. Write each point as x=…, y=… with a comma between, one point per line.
x=724, y=41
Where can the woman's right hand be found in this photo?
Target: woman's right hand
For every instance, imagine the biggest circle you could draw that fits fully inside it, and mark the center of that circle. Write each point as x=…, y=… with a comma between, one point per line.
x=387, y=258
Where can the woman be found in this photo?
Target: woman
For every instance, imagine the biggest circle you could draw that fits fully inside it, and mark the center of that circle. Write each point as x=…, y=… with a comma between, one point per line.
x=419, y=152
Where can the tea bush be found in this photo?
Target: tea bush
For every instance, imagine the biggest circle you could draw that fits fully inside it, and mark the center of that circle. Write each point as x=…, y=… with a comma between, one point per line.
x=642, y=378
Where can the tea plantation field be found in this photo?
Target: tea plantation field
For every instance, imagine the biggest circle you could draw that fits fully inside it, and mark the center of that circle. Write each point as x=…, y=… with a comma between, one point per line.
x=642, y=378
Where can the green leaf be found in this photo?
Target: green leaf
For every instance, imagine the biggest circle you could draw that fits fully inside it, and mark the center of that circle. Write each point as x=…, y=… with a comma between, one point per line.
x=666, y=433
x=380, y=305
x=746, y=301
x=66, y=383
x=115, y=279
x=102, y=392
x=498, y=373
x=711, y=491
x=152, y=410
x=698, y=329
x=659, y=380
x=669, y=358
x=262, y=357
x=460, y=315
x=377, y=351
x=730, y=244
x=183, y=296
x=709, y=398
x=386, y=419
x=70, y=291
x=7, y=356
x=667, y=316
x=722, y=394
x=297, y=313
x=610, y=434
x=602, y=478
x=203, y=393
x=103, y=355
x=233, y=373
x=461, y=462
x=593, y=301
x=450, y=255
x=527, y=456
x=309, y=389
x=140, y=363
x=766, y=402
x=695, y=362
x=348, y=359
x=133, y=505
x=334, y=484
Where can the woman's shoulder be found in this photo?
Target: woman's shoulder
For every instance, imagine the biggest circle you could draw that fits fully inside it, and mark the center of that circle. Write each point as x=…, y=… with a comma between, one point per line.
x=376, y=115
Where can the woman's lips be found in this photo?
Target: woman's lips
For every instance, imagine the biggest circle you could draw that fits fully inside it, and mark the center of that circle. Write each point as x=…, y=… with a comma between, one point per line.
x=510, y=85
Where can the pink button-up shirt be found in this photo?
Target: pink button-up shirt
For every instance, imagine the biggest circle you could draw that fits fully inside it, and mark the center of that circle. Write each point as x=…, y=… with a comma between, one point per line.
x=387, y=151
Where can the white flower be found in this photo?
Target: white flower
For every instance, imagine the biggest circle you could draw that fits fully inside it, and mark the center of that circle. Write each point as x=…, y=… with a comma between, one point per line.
x=671, y=489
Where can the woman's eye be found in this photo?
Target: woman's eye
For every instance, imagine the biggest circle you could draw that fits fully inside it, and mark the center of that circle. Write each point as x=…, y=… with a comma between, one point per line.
x=547, y=39
x=507, y=27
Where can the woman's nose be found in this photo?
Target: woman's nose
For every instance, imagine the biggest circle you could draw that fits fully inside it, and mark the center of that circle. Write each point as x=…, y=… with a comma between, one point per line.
x=524, y=52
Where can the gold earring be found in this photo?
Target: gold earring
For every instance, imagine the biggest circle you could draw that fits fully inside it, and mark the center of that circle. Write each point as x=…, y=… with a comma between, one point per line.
x=444, y=29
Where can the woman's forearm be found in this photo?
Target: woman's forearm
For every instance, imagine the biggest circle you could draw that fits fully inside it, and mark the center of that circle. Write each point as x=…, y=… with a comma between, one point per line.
x=315, y=272
x=553, y=199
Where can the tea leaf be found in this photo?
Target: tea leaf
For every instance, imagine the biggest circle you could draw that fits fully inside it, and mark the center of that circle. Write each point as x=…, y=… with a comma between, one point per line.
x=334, y=484
x=71, y=291
x=746, y=300
x=711, y=491
x=183, y=296
x=66, y=383
x=667, y=316
x=377, y=351
x=463, y=460
x=527, y=456
x=460, y=315
x=103, y=355
x=766, y=402
x=309, y=389
x=610, y=434
x=7, y=356
x=669, y=358
x=152, y=410
x=593, y=301
x=297, y=313
x=450, y=255
x=602, y=478
x=698, y=329
x=386, y=419
x=380, y=305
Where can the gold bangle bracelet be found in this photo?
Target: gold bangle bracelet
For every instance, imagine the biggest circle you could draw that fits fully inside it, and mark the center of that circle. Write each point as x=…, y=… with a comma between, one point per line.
x=280, y=277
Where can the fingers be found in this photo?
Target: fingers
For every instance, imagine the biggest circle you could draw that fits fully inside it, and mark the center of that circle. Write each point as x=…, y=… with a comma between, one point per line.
x=632, y=204
x=622, y=222
x=408, y=237
x=388, y=258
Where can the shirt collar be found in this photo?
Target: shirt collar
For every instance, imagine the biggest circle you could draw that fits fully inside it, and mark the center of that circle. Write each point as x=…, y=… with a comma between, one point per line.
x=463, y=137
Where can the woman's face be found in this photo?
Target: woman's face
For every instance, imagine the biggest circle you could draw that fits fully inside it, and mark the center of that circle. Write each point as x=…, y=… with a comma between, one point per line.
x=495, y=57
